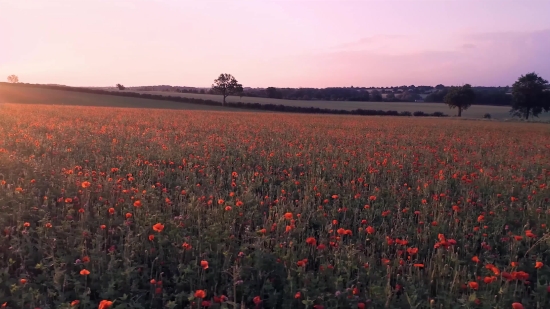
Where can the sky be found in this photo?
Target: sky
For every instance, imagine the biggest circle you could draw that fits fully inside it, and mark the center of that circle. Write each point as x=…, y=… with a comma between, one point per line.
x=280, y=43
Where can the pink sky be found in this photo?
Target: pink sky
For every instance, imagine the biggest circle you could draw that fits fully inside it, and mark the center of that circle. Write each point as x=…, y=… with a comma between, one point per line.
x=284, y=43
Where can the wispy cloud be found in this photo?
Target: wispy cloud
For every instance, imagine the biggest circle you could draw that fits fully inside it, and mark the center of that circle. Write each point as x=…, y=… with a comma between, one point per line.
x=478, y=58
x=371, y=41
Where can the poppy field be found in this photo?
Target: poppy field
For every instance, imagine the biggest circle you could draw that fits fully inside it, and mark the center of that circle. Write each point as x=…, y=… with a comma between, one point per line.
x=143, y=208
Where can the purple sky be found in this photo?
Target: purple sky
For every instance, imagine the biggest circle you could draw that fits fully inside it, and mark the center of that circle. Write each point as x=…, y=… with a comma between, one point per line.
x=292, y=43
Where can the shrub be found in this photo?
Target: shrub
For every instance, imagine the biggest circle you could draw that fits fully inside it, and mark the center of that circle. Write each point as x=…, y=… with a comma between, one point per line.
x=487, y=116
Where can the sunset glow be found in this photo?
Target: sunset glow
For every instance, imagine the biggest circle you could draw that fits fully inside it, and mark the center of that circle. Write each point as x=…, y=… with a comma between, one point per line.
x=274, y=43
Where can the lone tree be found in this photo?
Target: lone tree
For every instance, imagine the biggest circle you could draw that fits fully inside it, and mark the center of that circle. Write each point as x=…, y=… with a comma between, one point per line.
x=227, y=85
x=13, y=79
x=120, y=87
x=460, y=97
x=530, y=96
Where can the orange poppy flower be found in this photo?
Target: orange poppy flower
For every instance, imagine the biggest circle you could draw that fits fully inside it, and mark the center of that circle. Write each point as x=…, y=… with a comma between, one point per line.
x=48, y=225
x=539, y=265
x=26, y=224
x=475, y=259
x=86, y=184
x=111, y=210
x=288, y=215
x=370, y=230
x=227, y=208
x=151, y=237
x=84, y=272
x=200, y=293
x=311, y=241
x=204, y=264
x=158, y=227
x=473, y=285
x=419, y=265
x=104, y=304
x=137, y=203
x=85, y=259
x=517, y=306
x=257, y=300
x=75, y=302
x=23, y=281
x=128, y=215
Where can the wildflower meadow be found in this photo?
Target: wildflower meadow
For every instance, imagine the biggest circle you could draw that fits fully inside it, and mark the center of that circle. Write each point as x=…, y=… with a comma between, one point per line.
x=143, y=208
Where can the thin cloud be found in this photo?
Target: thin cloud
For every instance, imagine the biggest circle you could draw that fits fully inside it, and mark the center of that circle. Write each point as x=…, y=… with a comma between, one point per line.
x=479, y=59
x=371, y=40
x=468, y=46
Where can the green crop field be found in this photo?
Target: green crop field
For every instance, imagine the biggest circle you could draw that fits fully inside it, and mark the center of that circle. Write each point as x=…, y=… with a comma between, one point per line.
x=32, y=95
x=476, y=111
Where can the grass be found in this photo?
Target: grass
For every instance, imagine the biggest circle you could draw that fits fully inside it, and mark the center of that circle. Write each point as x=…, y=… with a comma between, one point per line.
x=475, y=111
x=35, y=95
x=151, y=208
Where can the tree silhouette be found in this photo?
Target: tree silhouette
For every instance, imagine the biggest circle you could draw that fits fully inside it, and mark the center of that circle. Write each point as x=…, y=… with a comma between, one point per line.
x=530, y=96
x=13, y=79
x=460, y=97
x=226, y=85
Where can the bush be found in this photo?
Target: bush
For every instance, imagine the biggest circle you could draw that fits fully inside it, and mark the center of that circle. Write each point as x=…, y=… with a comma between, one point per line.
x=419, y=114
x=258, y=106
x=438, y=114
x=487, y=116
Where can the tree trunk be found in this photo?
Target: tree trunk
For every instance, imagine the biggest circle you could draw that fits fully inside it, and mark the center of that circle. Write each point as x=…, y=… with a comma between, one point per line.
x=460, y=112
x=223, y=103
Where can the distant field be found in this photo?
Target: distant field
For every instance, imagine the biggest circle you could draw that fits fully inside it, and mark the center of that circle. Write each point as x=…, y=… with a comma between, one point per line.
x=32, y=95
x=476, y=111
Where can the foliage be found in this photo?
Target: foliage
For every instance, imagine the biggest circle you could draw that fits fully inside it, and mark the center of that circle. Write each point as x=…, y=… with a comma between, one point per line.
x=487, y=116
x=155, y=209
x=13, y=79
x=248, y=106
x=531, y=96
x=483, y=96
x=460, y=97
x=226, y=85
x=120, y=87
x=273, y=93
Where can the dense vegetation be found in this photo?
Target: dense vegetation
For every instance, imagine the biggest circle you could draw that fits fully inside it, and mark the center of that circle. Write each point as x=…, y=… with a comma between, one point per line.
x=242, y=105
x=135, y=208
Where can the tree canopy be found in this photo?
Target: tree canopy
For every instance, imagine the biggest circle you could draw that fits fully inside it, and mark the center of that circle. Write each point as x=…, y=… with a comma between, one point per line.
x=460, y=97
x=13, y=79
x=226, y=85
x=530, y=96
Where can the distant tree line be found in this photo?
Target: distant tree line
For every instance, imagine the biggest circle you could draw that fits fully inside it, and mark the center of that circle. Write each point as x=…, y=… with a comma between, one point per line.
x=499, y=96
x=254, y=106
